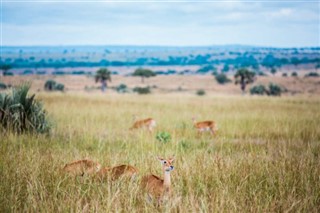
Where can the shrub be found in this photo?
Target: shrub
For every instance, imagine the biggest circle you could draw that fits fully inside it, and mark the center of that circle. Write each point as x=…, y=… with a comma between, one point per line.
x=27, y=72
x=58, y=73
x=201, y=92
x=274, y=90
x=260, y=73
x=222, y=78
x=312, y=74
x=78, y=72
x=8, y=73
x=214, y=73
x=22, y=113
x=3, y=85
x=122, y=88
x=142, y=90
x=52, y=85
x=284, y=74
x=163, y=137
x=258, y=90
x=294, y=74
x=59, y=87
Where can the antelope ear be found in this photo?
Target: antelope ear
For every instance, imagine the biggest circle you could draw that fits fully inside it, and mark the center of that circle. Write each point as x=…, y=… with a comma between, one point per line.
x=172, y=159
x=160, y=158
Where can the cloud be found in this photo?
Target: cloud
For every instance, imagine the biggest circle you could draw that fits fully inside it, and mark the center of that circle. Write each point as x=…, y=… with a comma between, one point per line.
x=152, y=23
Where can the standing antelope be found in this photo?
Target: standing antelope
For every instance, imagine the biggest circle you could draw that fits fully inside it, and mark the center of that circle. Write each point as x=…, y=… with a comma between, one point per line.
x=148, y=123
x=154, y=185
x=205, y=126
x=117, y=172
x=82, y=167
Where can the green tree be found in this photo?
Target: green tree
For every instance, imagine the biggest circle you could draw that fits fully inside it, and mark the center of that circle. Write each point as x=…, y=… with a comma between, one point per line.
x=273, y=70
x=225, y=68
x=103, y=75
x=143, y=73
x=243, y=77
x=5, y=68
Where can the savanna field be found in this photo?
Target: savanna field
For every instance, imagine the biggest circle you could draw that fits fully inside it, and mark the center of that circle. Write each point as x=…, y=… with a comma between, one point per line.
x=264, y=158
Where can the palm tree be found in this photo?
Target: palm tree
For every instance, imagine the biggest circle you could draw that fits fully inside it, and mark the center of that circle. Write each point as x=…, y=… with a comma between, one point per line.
x=103, y=75
x=244, y=77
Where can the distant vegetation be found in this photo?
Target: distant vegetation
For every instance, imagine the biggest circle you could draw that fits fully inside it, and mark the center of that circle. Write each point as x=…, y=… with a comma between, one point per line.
x=244, y=77
x=52, y=85
x=222, y=78
x=144, y=73
x=209, y=58
x=273, y=90
x=103, y=75
x=200, y=92
x=142, y=90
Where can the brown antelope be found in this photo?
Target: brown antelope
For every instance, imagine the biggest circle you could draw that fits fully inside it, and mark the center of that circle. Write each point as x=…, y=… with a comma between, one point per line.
x=157, y=187
x=82, y=167
x=148, y=123
x=122, y=171
x=205, y=126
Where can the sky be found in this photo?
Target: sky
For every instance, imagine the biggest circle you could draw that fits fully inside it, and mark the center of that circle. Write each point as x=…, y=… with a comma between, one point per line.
x=171, y=23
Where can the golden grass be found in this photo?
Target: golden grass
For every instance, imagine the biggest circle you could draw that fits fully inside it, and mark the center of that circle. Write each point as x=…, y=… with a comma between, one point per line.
x=265, y=157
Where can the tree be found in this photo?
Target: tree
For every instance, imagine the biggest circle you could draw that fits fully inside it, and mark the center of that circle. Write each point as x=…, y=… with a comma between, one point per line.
x=273, y=70
x=143, y=73
x=5, y=67
x=103, y=75
x=225, y=68
x=243, y=77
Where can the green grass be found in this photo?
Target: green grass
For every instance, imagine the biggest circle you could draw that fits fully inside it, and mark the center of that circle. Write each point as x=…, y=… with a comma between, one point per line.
x=265, y=157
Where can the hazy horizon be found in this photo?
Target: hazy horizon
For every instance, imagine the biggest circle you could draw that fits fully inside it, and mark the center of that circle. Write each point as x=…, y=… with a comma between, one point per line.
x=161, y=24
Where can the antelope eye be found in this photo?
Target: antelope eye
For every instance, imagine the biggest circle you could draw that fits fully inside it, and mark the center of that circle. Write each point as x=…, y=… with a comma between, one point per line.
x=164, y=162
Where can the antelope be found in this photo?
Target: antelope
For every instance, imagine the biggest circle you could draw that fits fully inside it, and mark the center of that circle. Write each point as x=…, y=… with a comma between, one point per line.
x=154, y=185
x=82, y=167
x=205, y=126
x=148, y=123
x=122, y=171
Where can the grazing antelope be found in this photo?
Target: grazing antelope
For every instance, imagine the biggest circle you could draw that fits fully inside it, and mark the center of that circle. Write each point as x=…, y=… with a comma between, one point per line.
x=148, y=123
x=205, y=126
x=154, y=185
x=82, y=167
x=122, y=171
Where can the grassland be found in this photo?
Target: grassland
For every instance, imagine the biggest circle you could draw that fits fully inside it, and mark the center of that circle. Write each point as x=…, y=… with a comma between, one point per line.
x=265, y=157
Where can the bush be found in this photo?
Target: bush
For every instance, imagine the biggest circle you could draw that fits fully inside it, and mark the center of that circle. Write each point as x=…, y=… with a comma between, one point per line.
x=142, y=90
x=52, y=85
x=59, y=87
x=27, y=72
x=163, y=137
x=294, y=74
x=258, y=90
x=222, y=78
x=312, y=74
x=21, y=113
x=201, y=92
x=8, y=73
x=122, y=88
x=274, y=90
x=261, y=73
x=3, y=85
x=284, y=74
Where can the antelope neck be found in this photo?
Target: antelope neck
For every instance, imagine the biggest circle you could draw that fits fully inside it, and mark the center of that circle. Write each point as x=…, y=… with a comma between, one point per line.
x=166, y=179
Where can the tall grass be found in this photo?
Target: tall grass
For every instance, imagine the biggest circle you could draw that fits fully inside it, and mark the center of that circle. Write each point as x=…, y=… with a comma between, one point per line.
x=265, y=157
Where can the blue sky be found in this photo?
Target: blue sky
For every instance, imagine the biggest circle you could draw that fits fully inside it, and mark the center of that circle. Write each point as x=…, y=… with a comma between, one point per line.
x=263, y=23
